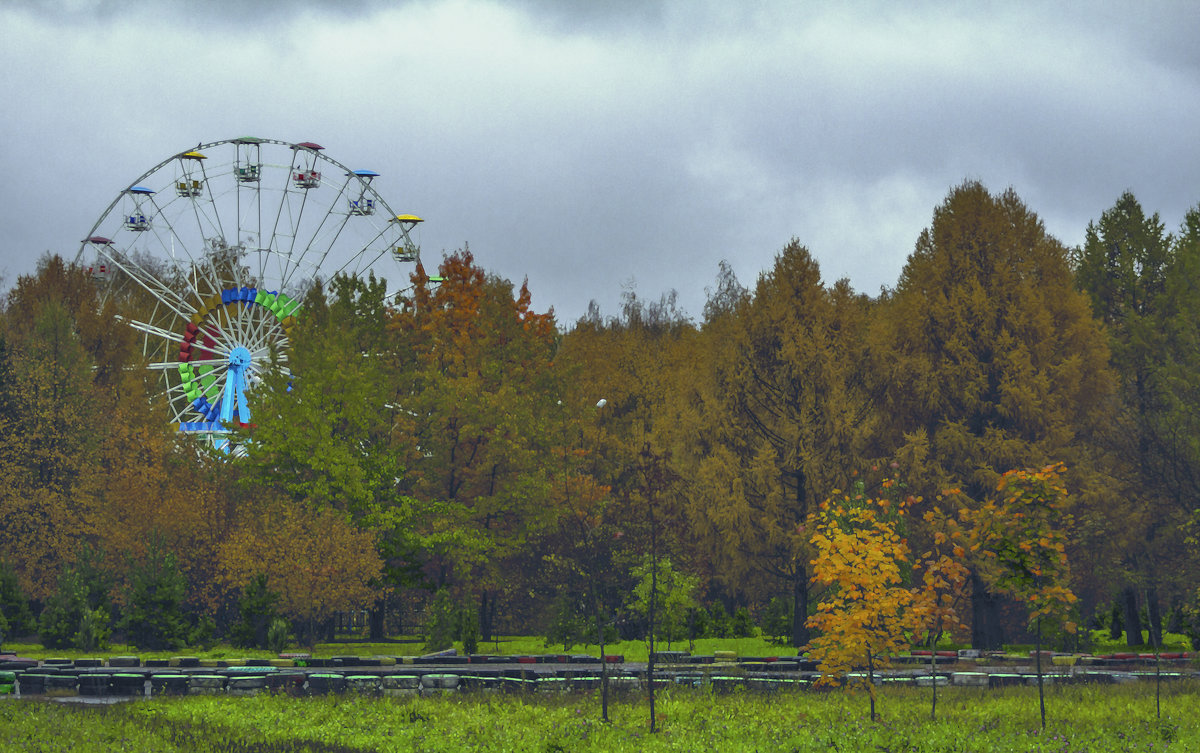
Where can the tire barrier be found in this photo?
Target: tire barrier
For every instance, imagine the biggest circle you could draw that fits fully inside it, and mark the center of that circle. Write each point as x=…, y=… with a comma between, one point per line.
x=132, y=677
x=326, y=682
x=364, y=684
x=168, y=684
x=245, y=684
x=206, y=684
x=95, y=684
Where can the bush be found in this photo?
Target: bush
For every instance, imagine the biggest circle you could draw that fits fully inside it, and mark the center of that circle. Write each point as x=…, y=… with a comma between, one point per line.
x=742, y=625
x=82, y=588
x=277, y=635
x=256, y=613
x=442, y=623
x=14, y=607
x=1116, y=622
x=154, y=619
x=93, y=630
x=777, y=620
x=468, y=631
x=567, y=626
x=719, y=620
x=204, y=634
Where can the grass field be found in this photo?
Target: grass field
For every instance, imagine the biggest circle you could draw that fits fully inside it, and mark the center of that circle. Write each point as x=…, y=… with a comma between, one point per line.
x=1109, y=719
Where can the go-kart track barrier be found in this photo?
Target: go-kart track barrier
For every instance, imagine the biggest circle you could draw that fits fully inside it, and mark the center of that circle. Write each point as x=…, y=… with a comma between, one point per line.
x=121, y=678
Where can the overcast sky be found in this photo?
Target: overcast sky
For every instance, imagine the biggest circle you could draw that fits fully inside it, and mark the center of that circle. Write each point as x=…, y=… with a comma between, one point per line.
x=591, y=146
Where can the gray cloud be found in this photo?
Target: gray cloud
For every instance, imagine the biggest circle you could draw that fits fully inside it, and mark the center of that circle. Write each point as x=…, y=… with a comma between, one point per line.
x=585, y=145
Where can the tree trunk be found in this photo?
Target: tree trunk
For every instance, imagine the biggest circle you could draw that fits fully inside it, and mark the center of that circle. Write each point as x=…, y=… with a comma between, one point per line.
x=800, y=635
x=378, y=619
x=1154, y=615
x=987, y=633
x=1133, y=620
x=485, y=620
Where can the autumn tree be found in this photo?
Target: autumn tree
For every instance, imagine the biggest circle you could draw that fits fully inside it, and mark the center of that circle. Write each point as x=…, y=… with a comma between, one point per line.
x=940, y=590
x=1022, y=538
x=477, y=405
x=52, y=426
x=788, y=413
x=315, y=558
x=991, y=361
x=867, y=613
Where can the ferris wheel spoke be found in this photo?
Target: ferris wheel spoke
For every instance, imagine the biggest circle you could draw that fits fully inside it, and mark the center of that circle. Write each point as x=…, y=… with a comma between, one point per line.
x=284, y=205
x=213, y=203
x=301, y=259
x=150, y=329
x=152, y=285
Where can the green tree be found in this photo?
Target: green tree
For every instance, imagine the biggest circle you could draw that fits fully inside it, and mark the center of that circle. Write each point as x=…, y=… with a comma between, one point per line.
x=256, y=613
x=76, y=615
x=14, y=606
x=1023, y=542
x=153, y=617
x=675, y=598
x=326, y=434
x=1141, y=282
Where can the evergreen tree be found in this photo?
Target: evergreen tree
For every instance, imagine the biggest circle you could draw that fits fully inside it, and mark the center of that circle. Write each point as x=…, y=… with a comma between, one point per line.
x=154, y=618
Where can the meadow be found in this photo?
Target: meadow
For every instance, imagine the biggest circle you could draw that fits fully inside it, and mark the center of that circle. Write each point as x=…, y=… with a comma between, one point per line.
x=1081, y=718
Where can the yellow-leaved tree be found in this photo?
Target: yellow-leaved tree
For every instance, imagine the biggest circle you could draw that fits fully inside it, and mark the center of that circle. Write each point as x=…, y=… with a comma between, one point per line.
x=867, y=613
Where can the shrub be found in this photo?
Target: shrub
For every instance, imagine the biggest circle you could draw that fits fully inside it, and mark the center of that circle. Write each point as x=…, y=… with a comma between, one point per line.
x=204, y=634
x=719, y=620
x=277, y=635
x=742, y=625
x=154, y=619
x=14, y=607
x=777, y=620
x=442, y=623
x=256, y=613
x=93, y=630
x=699, y=623
x=82, y=587
x=63, y=613
x=468, y=631
x=567, y=626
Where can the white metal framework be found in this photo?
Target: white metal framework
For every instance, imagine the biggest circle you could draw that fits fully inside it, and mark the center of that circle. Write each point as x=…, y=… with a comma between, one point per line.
x=222, y=241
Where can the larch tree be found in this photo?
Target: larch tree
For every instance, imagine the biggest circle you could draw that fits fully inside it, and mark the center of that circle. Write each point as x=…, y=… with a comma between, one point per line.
x=788, y=418
x=479, y=407
x=991, y=358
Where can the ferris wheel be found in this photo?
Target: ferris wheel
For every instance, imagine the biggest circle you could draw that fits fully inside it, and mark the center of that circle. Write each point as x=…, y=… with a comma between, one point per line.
x=220, y=242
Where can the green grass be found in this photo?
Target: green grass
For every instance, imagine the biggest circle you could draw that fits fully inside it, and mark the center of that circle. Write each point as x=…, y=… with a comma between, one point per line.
x=1114, y=718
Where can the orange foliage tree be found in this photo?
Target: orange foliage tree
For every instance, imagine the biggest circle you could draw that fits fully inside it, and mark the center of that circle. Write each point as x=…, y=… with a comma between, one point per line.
x=315, y=559
x=942, y=585
x=868, y=611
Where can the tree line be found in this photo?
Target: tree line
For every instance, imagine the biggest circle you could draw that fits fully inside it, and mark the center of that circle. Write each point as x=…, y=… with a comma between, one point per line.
x=455, y=441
